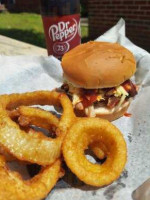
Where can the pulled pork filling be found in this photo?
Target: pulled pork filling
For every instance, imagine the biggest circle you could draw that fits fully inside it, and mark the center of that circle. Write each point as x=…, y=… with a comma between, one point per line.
x=89, y=99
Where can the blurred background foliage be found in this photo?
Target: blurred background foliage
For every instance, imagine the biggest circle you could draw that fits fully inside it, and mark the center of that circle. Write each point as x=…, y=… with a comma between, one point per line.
x=27, y=27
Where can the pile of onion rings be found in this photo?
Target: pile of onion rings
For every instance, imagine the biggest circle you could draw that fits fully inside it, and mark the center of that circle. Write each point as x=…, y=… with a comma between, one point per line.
x=22, y=145
x=22, y=140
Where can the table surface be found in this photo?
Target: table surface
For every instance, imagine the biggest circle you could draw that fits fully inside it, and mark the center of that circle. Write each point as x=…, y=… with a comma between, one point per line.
x=9, y=46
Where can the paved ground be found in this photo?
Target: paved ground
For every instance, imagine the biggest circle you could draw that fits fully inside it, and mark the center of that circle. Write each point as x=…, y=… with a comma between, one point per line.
x=10, y=46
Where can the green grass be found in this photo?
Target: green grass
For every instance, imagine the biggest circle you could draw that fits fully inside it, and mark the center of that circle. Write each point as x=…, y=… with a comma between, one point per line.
x=27, y=27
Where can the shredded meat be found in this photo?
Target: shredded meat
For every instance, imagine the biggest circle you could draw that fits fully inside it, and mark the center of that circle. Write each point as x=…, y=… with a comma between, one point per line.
x=79, y=106
x=89, y=96
x=113, y=101
x=99, y=104
x=110, y=92
x=130, y=88
x=65, y=87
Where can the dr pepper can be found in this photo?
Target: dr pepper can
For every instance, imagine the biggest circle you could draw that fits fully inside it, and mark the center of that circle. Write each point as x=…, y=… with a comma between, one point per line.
x=61, y=21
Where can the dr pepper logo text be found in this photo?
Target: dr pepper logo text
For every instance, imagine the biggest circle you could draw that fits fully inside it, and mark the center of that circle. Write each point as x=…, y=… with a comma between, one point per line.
x=63, y=31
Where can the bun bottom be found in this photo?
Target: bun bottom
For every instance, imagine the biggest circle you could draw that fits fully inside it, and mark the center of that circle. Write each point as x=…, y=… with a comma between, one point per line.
x=114, y=115
x=105, y=113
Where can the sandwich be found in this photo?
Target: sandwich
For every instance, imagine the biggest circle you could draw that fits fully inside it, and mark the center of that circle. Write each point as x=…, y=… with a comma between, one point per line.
x=97, y=79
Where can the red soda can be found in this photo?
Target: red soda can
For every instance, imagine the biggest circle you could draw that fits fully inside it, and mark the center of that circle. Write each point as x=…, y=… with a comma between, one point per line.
x=61, y=21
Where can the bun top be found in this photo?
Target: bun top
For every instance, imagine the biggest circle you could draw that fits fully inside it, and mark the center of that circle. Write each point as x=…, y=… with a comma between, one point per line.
x=98, y=65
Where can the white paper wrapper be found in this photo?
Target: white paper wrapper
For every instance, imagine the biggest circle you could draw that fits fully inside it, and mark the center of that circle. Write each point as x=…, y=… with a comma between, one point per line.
x=24, y=73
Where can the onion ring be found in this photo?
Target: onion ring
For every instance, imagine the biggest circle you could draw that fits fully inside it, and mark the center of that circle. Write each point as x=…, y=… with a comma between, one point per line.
x=98, y=149
x=83, y=133
x=31, y=116
x=13, y=187
x=37, y=117
x=9, y=157
x=23, y=146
